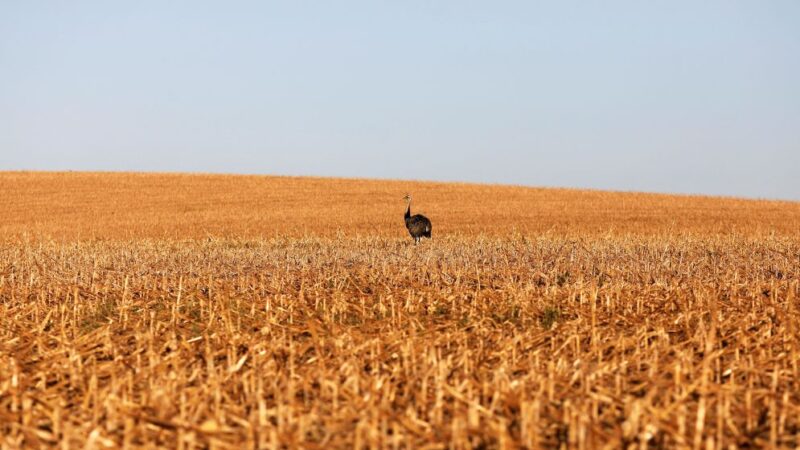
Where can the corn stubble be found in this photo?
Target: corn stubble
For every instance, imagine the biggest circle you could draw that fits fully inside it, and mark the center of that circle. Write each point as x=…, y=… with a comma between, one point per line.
x=575, y=336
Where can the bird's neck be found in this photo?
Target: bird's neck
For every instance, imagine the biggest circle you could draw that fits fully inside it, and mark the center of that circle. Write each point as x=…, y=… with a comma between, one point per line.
x=408, y=210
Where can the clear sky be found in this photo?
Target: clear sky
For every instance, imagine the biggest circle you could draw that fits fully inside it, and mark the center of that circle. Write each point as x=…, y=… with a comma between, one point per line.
x=669, y=96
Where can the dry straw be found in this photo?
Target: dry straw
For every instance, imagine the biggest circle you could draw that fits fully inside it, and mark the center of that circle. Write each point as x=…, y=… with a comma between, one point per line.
x=624, y=334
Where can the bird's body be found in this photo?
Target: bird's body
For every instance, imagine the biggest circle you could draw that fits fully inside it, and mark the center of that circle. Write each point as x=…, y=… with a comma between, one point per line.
x=418, y=225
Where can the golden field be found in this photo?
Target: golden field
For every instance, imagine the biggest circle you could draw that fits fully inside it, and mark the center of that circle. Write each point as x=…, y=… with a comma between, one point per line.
x=211, y=311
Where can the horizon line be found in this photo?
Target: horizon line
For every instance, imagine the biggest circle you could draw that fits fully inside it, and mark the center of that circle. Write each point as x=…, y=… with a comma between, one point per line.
x=411, y=180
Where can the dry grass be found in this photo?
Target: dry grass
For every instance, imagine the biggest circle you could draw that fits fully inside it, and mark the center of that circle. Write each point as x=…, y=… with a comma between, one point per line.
x=230, y=312
x=81, y=206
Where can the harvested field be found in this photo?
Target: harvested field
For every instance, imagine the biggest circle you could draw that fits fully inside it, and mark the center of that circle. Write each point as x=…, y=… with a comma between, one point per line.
x=198, y=311
x=83, y=206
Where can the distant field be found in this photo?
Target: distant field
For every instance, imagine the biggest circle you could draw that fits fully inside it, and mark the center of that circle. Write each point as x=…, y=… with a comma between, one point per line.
x=210, y=311
x=129, y=206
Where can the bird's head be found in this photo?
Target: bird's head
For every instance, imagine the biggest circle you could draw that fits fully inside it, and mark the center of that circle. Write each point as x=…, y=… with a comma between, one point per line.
x=407, y=197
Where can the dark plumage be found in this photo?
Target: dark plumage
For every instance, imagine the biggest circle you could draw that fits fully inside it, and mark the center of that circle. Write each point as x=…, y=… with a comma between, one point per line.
x=418, y=225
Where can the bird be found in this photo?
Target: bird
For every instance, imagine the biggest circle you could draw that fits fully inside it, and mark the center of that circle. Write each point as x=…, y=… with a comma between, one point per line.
x=418, y=225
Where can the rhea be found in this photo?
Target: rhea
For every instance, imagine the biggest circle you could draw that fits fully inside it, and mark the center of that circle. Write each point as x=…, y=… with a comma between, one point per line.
x=418, y=225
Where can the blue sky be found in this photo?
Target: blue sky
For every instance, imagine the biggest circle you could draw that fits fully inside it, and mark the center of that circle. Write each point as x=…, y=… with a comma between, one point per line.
x=667, y=96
